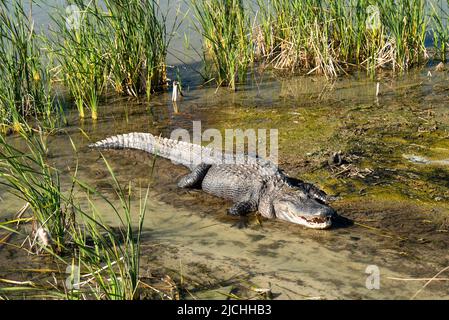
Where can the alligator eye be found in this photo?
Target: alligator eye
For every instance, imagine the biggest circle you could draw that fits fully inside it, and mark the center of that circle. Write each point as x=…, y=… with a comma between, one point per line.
x=320, y=200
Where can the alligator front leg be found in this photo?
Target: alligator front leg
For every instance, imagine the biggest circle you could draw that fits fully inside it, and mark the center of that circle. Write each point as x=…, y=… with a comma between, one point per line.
x=242, y=209
x=194, y=178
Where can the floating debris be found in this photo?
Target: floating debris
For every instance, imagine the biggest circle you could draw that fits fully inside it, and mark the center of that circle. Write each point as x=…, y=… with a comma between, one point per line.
x=43, y=236
x=342, y=165
x=40, y=238
x=440, y=67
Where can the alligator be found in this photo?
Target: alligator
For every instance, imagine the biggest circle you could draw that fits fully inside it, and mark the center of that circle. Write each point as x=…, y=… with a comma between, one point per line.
x=250, y=182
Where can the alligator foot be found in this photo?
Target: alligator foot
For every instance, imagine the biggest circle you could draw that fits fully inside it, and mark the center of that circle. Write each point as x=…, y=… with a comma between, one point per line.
x=242, y=208
x=242, y=223
x=194, y=178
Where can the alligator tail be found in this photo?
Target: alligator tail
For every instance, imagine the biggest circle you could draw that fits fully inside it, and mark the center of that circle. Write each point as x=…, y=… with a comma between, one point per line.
x=187, y=154
x=134, y=140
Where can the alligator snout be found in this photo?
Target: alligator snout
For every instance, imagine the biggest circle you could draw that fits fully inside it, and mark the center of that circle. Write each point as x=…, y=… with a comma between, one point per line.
x=306, y=212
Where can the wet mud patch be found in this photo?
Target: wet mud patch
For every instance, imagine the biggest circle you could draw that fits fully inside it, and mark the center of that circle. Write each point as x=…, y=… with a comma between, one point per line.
x=400, y=231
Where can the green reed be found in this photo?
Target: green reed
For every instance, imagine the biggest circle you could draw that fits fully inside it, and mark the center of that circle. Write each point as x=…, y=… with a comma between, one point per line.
x=138, y=45
x=227, y=44
x=329, y=37
x=29, y=176
x=81, y=50
x=440, y=30
x=110, y=256
x=103, y=262
x=25, y=84
x=406, y=23
x=113, y=42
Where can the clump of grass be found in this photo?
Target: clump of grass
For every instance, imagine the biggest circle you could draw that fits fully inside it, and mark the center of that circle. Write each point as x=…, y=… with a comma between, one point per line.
x=104, y=261
x=328, y=37
x=116, y=42
x=139, y=46
x=440, y=29
x=29, y=176
x=406, y=24
x=25, y=85
x=80, y=48
x=110, y=256
x=227, y=44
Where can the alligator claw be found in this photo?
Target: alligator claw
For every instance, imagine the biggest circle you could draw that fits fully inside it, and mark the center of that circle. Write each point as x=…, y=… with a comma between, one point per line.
x=241, y=224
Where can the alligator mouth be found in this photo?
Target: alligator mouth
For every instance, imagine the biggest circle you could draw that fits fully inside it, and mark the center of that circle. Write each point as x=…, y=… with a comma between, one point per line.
x=320, y=220
x=316, y=222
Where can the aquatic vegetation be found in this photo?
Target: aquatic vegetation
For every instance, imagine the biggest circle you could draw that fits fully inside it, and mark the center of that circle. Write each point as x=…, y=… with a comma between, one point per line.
x=328, y=37
x=111, y=256
x=108, y=256
x=29, y=176
x=312, y=36
x=82, y=57
x=406, y=24
x=122, y=43
x=138, y=45
x=440, y=29
x=25, y=84
x=227, y=45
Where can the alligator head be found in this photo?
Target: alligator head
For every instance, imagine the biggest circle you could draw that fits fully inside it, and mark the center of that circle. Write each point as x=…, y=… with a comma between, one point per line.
x=297, y=207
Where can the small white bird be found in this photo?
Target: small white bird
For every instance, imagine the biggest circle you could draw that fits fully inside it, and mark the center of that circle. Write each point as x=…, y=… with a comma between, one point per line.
x=176, y=91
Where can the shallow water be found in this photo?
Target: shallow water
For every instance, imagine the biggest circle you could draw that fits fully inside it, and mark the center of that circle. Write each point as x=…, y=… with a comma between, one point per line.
x=399, y=208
